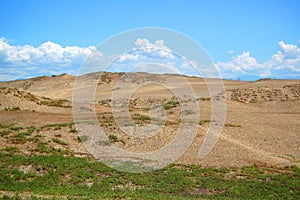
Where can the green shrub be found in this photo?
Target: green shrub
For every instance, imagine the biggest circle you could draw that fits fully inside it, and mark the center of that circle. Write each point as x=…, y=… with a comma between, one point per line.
x=113, y=138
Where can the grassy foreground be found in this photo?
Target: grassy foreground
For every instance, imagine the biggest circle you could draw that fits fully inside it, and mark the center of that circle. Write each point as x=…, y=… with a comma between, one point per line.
x=65, y=177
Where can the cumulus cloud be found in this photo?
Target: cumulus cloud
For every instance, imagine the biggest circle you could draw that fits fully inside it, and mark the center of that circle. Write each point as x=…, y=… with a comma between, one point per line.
x=48, y=58
x=47, y=53
x=241, y=63
x=51, y=58
x=283, y=64
x=146, y=56
x=288, y=57
x=144, y=50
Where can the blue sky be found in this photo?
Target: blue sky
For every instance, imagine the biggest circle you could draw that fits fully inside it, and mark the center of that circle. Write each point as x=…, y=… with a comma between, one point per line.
x=246, y=39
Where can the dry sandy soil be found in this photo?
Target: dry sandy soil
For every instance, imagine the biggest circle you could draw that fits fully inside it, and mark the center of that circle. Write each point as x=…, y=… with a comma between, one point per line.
x=262, y=123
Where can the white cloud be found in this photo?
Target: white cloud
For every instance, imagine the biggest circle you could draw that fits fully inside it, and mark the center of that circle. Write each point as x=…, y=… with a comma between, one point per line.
x=288, y=57
x=49, y=58
x=240, y=64
x=284, y=63
x=158, y=48
x=289, y=51
x=145, y=50
x=27, y=61
x=47, y=53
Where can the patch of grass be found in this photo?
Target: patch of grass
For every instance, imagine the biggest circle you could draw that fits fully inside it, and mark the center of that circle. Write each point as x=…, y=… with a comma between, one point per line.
x=5, y=126
x=82, y=138
x=58, y=141
x=142, y=117
x=204, y=99
x=170, y=104
x=19, y=138
x=188, y=112
x=4, y=133
x=73, y=130
x=30, y=130
x=42, y=147
x=19, y=133
x=232, y=125
x=83, y=178
x=290, y=158
x=14, y=108
x=107, y=120
x=57, y=126
x=11, y=150
x=16, y=128
x=113, y=138
x=204, y=121
x=129, y=123
x=105, y=142
x=55, y=103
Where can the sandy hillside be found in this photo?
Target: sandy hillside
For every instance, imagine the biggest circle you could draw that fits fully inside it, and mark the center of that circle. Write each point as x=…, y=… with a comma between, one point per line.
x=262, y=118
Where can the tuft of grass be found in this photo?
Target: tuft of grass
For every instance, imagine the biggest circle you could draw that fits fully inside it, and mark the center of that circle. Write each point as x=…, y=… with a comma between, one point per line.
x=42, y=147
x=19, y=138
x=55, y=103
x=170, y=104
x=14, y=108
x=142, y=118
x=105, y=142
x=201, y=122
x=188, y=112
x=204, y=99
x=82, y=138
x=11, y=150
x=232, y=125
x=56, y=126
x=58, y=141
x=113, y=138
x=73, y=130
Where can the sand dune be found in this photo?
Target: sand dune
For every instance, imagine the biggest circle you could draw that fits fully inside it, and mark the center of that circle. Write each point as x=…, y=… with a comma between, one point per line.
x=262, y=119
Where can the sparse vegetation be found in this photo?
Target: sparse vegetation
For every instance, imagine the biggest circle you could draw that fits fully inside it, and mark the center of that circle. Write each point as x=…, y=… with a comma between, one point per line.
x=105, y=78
x=73, y=130
x=105, y=142
x=188, y=112
x=82, y=138
x=170, y=104
x=204, y=121
x=49, y=161
x=58, y=141
x=60, y=176
x=56, y=126
x=232, y=125
x=113, y=138
x=55, y=103
x=204, y=99
x=14, y=108
x=142, y=118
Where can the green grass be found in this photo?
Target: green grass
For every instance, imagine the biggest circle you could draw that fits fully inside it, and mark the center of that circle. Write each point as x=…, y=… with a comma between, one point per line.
x=14, y=108
x=58, y=141
x=170, y=104
x=188, y=112
x=204, y=121
x=113, y=138
x=57, y=126
x=232, y=125
x=142, y=117
x=82, y=138
x=55, y=103
x=85, y=178
x=55, y=172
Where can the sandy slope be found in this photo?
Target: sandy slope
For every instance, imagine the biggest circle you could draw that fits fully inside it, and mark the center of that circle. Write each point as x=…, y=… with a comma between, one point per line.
x=262, y=119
